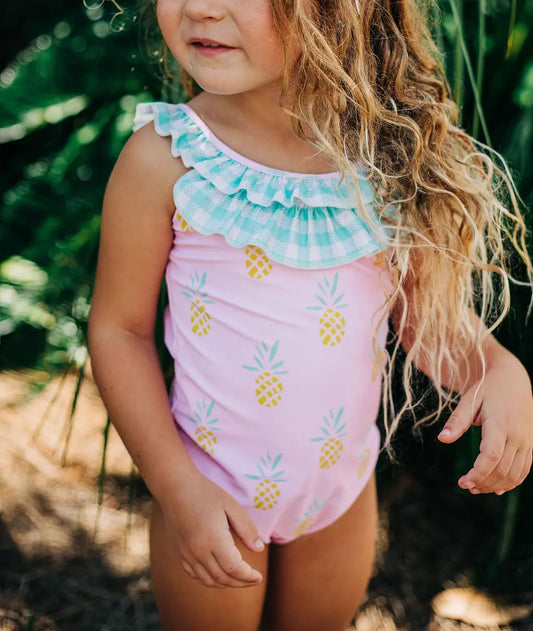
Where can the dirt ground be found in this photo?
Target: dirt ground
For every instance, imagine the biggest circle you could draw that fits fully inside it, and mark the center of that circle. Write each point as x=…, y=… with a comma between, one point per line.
x=67, y=564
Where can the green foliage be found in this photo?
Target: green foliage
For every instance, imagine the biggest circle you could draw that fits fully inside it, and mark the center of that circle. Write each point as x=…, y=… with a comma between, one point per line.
x=66, y=110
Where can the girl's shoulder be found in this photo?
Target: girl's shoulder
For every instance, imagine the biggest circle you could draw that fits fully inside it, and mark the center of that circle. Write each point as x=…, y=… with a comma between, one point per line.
x=146, y=170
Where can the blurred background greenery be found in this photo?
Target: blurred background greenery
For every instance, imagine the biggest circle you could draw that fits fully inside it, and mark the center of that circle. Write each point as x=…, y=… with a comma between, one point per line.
x=70, y=80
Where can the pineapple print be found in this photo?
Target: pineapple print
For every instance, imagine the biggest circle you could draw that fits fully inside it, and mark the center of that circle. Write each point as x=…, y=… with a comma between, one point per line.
x=257, y=263
x=183, y=225
x=308, y=519
x=364, y=459
x=330, y=452
x=267, y=491
x=206, y=426
x=200, y=318
x=268, y=388
x=379, y=259
x=332, y=322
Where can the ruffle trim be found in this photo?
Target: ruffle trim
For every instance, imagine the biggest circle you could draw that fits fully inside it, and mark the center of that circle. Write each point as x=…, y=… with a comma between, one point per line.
x=297, y=219
x=193, y=143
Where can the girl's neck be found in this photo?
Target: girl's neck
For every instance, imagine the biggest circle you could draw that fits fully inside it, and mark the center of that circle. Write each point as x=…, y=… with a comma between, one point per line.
x=260, y=112
x=259, y=129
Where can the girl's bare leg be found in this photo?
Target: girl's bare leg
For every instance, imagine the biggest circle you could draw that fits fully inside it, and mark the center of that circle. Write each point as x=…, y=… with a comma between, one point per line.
x=185, y=604
x=317, y=581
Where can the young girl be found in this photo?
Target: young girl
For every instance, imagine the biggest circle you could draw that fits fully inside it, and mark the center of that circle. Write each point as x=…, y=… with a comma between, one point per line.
x=312, y=187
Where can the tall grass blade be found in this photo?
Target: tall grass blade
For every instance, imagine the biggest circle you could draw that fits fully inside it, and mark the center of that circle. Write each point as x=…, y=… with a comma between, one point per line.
x=458, y=65
x=101, y=478
x=436, y=22
x=44, y=416
x=466, y=56
x=131, y=495
x=70, y=423
x=510, y=30
x=480, y=61
x=102, y=472
x=508, y=529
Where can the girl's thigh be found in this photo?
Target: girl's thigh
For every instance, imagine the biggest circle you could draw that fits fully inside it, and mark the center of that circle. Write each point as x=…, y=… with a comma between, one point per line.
x=317, y=581
x=185, y=604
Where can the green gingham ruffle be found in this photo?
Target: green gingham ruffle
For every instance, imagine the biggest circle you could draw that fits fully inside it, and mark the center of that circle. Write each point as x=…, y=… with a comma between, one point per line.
x=299, y=220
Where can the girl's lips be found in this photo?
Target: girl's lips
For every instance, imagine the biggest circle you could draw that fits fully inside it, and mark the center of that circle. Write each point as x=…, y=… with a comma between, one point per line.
x=210, y=51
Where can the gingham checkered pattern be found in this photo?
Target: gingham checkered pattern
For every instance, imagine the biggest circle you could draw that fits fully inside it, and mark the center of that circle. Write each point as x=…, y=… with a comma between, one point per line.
x=298, y=220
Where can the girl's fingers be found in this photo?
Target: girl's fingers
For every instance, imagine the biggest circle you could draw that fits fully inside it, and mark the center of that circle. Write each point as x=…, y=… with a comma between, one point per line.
x=221, y=577
x=515, y=475
x=527, y=464
x=204, y=576
x=462, y=417
x=244, y=528
x=496, y=480
x=230, y=560
x=188, y=569
x=491, y=451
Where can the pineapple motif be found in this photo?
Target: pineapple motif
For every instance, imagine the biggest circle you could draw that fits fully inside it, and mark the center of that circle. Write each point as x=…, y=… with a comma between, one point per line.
x=364, y=459
x=268, y=387
x=257, y=262
x=379, y=259
x=200, y=317
x=204, y=432
x=309, y=517
x=183, y=225
x=267, y=491
x=332, y=322
x=330, y=451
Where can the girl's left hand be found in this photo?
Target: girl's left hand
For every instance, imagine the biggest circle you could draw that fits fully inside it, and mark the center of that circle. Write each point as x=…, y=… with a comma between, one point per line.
x=503, y=407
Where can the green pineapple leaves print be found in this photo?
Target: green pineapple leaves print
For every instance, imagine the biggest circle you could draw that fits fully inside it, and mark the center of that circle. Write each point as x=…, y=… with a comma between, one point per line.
x=206, y=426
x=331, y=449
x=267, y=491
x=308, y=518
x=332, y=323
x=269, y=388
x=200, y=318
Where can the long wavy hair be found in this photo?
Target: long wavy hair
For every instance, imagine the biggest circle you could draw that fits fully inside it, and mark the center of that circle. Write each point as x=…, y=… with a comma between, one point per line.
x=369, y=87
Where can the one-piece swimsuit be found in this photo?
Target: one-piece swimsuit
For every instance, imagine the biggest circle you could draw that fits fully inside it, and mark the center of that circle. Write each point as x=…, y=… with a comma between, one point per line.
x=274, y=285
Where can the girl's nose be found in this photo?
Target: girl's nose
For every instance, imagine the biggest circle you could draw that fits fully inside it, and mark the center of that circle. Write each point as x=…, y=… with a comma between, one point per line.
x=204, y=9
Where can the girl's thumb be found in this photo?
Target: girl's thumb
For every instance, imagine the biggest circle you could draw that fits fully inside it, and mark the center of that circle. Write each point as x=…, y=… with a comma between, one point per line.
x=246, y=530
x=462, y=417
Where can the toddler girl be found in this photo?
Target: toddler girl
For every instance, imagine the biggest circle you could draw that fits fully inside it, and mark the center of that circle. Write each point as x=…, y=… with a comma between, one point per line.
x=313, y=187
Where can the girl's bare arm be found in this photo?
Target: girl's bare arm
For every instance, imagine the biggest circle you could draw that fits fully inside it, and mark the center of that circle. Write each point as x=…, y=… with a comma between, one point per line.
x=501, y=403
x=136, y=237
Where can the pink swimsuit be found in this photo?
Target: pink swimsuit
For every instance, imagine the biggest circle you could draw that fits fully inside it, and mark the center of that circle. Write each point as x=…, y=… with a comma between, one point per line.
x=272, y=284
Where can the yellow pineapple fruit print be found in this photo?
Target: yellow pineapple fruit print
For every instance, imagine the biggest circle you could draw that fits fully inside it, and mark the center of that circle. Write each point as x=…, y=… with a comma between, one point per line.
x=268, y=388
x=200, y=318
x=308, y=519
x=206, y=426
x=332, y=322
x=364, y=459
x=331, y=449
x=183, y=225
x=267, y=491
x=257, y=262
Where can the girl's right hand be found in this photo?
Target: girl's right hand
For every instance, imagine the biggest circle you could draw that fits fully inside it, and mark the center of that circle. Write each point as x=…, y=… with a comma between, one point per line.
x=199, y=526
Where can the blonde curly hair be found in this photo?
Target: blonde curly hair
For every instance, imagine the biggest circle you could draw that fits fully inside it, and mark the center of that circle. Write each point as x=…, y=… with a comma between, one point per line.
x=370, y=87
